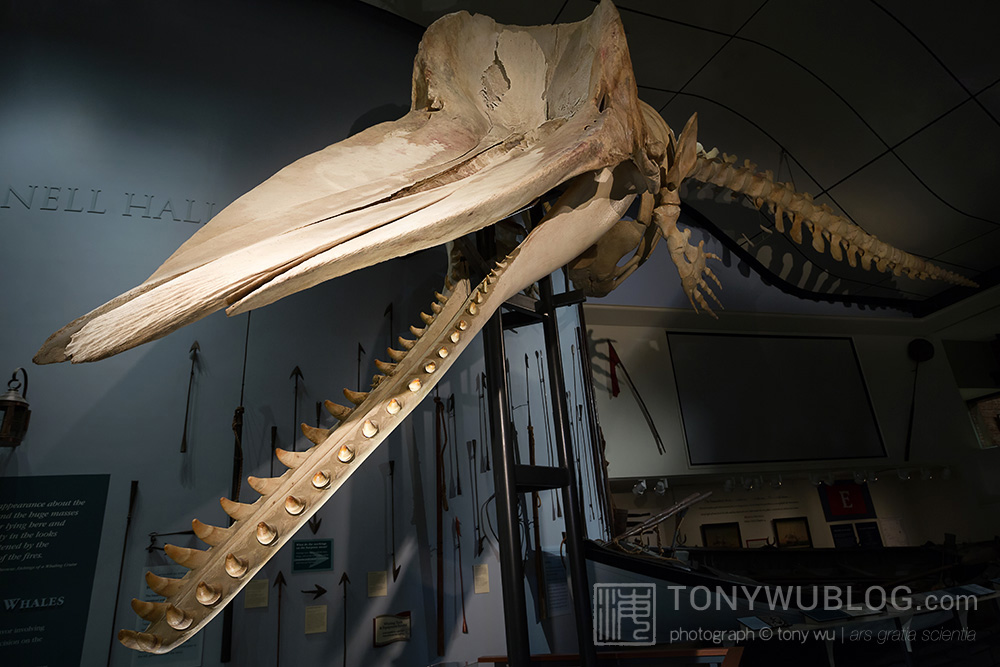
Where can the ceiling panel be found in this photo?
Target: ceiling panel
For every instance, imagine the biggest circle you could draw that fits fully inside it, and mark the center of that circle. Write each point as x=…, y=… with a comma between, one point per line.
x=962, y=33
x=894, y=85
x=990, y=99
x=885, y=199
x=979, y=253
x=800, y=113
x=720, y=15
x=956, y=158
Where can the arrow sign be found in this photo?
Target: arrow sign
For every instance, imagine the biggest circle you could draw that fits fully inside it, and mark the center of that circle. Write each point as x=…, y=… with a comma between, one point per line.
x=314, y=522
x=187, y=403
x=392, y=516
x=279, y=583
x=316, y=592
x=344, y=580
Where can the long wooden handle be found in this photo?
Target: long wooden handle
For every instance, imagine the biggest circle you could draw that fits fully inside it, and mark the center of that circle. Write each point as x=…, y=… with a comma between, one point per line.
x=442, y=502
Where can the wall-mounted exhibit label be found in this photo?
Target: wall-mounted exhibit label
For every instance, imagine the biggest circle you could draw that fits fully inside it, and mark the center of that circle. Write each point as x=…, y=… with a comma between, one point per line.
x=481, y=578
x=50, y=530
x=392, y=628
x=312, y=555
x=378, y=584
x=315, y=619
x=255, y=595
x=96, y=201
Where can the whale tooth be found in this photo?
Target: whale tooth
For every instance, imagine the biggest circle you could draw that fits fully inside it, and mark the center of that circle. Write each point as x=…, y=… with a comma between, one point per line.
x=436, y=307
x=406, y=343
x=209, y=534
x=386, y=368
x=321, y=479
x=177, y=619
x=317, y=436
x=395, y=355
x=417, y=332
x=339, y=411
x=266, y=534
x=426, y=318
x=294, y=506
x=265, y=486
x=291, y=459
x=189, y=558
x=162, y=585
x=150, y=611
x=356, y=397
x=139, y=641
x=236, y=567
x=238, y=511
x=207, y=594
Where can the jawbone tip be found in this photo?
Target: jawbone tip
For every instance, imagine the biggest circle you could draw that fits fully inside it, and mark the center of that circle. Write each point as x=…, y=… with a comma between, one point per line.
x=140, y=641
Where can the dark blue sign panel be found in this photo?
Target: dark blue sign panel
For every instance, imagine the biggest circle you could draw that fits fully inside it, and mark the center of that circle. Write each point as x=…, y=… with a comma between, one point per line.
x=312, y=555
x=50, y=529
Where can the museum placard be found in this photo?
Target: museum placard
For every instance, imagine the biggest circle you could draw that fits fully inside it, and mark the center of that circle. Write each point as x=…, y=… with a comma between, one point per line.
x=50, y=531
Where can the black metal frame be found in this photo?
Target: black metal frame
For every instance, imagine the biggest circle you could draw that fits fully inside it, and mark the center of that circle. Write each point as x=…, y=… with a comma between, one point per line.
x=511, y=479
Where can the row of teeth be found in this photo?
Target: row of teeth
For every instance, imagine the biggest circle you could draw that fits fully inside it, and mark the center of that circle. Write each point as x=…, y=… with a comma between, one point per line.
x=209, y=595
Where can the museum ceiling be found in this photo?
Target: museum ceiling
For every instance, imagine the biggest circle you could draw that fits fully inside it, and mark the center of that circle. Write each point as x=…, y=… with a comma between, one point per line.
x=889, y=111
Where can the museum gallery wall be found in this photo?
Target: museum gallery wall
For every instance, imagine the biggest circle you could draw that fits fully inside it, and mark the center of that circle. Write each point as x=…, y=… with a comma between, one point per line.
x=123, y=132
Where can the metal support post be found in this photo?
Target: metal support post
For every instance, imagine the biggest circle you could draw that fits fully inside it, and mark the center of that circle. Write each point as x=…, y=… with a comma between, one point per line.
x=571, y=493
x=508, y=532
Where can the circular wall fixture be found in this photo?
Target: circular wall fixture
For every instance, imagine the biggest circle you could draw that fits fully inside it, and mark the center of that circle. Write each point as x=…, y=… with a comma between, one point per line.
x=920, y=350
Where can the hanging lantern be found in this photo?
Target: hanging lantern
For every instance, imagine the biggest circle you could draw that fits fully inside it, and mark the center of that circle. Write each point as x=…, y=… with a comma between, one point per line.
x=14, y=412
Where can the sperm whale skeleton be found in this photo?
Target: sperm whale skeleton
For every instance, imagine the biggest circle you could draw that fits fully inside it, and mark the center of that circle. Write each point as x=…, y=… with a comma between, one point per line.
x=500, y=116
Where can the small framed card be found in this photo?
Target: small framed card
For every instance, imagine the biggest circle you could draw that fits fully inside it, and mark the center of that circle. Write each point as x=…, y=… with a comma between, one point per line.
x=391, y=628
